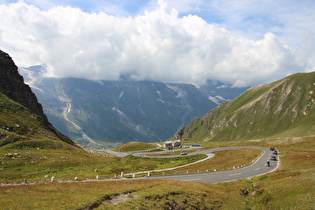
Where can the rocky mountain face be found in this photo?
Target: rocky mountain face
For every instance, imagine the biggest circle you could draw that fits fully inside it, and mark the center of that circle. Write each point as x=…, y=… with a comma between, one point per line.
x=97, y=113
x=284, y=108
x=12, y=86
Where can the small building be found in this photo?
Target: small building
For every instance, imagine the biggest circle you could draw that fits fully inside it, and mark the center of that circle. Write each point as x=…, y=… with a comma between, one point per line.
x=169, y=145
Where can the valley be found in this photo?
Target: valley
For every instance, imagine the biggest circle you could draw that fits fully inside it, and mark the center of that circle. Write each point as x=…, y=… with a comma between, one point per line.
x=111, y=113
x=32, y=151
x=108, y=113
x=66, y=111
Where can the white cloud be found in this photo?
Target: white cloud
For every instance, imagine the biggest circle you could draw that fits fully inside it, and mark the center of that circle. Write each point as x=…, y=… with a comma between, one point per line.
x=157, y=45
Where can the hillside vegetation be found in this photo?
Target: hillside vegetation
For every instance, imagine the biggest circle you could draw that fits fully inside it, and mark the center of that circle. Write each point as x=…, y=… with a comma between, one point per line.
x=28, y=150
x=284, y=108
x=289, y=187
x=135, y=146
x=276, y=114
x=20, y=128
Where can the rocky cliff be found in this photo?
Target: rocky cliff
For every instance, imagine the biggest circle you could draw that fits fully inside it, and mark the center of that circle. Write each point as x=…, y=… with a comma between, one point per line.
x=12, y=85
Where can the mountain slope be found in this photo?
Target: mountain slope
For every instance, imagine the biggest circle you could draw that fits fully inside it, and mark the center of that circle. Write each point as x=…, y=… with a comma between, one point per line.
x=21, y=116
x=279, y=109
x=116, y=112
x=20, y=128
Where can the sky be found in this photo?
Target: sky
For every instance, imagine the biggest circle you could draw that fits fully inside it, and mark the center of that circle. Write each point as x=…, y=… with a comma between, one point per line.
x=241, y=43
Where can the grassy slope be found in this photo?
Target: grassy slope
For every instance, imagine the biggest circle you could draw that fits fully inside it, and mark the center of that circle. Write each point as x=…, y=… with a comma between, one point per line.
x=292, y=185
x=135, y=146
x=289, y=187
x=147, y=194
x=39, y=152
x=283, y=108
x=18, y=126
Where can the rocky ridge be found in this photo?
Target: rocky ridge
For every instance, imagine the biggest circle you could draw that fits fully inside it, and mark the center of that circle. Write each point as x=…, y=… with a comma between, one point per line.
x=12, y=85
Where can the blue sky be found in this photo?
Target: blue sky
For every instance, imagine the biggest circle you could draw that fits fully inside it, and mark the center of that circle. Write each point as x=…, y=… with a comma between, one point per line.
x=242, y=43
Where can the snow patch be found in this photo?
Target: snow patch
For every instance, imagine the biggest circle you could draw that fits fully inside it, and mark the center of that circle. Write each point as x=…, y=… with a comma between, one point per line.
x=32, y=74
x=99, y=82
x=217, y=99
x=36, y=88
x=119, y=112
x=180, y=93
x=121, y=94
x=139, y=128
x=222, y=86
x=161, y=101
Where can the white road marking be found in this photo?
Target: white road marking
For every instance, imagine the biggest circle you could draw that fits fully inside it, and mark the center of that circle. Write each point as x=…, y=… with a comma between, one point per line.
x=257, y=169
x=235, y=174
x=192, y=179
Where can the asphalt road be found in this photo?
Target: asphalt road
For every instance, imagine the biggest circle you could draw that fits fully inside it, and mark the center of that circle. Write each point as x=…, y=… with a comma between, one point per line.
x=257, y=168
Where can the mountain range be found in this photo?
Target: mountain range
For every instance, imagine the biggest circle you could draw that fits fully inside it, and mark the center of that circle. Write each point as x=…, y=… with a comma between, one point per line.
x=109, y=113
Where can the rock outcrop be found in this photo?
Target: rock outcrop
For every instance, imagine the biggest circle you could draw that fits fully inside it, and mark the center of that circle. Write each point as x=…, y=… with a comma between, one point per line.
x=12, y=85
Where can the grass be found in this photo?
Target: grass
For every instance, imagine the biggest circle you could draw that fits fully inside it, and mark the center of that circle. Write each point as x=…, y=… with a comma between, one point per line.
x=161, y=194
x=289, y=187
x=221, y=161
x=292, y=185
x=173, y=152
x=33, y=164
x=132, y=164
x=135, y=146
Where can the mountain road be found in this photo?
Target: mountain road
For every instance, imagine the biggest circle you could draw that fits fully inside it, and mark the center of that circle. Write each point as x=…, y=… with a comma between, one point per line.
x=257, y=168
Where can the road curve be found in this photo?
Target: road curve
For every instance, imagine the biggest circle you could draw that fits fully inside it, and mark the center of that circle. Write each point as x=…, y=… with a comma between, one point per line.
x=255, y=169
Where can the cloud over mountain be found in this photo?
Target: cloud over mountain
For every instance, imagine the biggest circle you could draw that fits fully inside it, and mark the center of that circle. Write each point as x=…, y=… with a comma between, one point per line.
x=158, y=45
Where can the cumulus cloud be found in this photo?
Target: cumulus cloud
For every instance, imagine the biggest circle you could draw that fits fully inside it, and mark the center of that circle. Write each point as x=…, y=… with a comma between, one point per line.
x=157, y=45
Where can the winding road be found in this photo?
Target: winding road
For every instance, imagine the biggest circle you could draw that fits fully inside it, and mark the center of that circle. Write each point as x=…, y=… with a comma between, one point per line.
x=255, y=169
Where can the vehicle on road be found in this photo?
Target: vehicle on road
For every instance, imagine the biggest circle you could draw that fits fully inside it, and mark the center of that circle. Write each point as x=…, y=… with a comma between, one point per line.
x=195, y=145
x=273, y=158
x=183, y=153
x=272, y=148
x=268, y=163
x=275, y=152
